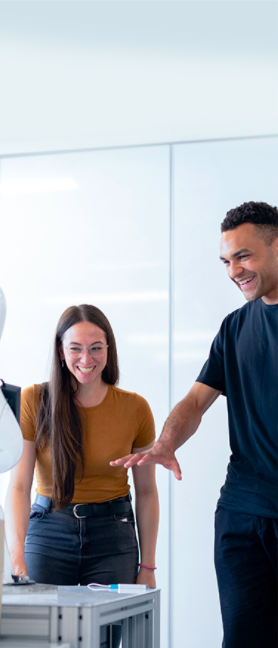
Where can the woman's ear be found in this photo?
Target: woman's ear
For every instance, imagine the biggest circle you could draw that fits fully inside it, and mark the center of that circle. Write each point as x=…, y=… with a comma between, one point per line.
x=61, y=352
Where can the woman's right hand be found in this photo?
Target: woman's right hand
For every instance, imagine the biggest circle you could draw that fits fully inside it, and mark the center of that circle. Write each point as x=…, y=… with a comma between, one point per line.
x=20, y=567
x=18, y=564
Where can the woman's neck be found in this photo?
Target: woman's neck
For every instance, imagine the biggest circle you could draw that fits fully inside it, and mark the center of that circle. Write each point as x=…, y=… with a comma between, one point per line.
x=91, y=395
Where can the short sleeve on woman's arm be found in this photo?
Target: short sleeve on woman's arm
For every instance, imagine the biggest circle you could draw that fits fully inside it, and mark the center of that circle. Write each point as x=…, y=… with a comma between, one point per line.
x=146, y=426
x=28, y=411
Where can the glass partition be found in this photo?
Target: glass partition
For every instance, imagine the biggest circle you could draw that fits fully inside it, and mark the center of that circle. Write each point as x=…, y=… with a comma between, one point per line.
x=90, y=228
x=208, y=179
x=138, y=236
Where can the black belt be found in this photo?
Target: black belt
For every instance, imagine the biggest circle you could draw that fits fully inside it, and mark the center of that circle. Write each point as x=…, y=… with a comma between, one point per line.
x=120, y=505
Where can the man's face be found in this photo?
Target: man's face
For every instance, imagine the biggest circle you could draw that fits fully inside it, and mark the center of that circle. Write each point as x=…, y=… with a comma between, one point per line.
x=250, y=263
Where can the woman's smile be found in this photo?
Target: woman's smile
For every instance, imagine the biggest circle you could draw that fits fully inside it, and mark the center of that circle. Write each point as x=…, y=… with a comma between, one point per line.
x=86, y=370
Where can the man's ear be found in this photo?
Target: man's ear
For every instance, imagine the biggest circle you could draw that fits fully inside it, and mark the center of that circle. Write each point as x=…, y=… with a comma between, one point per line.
x=275, y=246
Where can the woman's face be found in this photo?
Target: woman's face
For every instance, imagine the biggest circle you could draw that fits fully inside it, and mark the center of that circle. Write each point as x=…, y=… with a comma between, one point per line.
x=76, y=343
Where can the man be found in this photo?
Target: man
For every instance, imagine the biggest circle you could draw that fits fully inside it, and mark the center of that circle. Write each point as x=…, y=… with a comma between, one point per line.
x=242, y=365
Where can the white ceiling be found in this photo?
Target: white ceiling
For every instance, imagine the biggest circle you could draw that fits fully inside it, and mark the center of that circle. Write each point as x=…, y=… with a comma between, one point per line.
x=84, y=74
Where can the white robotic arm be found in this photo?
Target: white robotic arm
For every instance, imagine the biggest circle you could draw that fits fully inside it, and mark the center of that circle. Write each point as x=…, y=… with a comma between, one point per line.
x=2, y=311
x=11, y=441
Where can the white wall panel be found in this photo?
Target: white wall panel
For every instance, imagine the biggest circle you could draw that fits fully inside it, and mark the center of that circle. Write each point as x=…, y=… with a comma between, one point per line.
x=94, y=227
x=209, y=179
x=90, y=228
x=88, y=74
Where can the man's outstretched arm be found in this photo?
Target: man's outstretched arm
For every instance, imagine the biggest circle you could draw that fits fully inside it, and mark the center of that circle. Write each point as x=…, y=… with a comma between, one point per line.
x=180, y=425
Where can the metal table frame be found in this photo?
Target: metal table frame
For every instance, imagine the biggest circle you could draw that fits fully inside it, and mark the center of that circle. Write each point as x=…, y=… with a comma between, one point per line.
x=76, y=615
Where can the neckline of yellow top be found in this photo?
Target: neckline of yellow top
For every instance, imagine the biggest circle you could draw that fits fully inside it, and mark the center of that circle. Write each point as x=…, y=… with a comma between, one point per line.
x=94, y=407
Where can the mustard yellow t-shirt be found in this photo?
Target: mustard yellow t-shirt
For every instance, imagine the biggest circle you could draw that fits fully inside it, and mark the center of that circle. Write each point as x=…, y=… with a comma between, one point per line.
x=122, y=421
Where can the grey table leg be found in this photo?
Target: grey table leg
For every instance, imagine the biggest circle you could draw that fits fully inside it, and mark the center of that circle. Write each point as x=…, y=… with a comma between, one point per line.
x=156, y=623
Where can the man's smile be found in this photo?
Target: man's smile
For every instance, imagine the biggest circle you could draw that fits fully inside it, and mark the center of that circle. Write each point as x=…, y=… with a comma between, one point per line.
x=245, y=281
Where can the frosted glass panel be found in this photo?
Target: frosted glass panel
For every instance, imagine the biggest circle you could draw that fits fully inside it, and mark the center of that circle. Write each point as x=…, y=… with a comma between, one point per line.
x=90, y=228
x=209, y=179
x=93, y=227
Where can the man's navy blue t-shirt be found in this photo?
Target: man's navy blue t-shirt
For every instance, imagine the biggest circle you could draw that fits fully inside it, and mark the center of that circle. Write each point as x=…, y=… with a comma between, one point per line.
x=243, y=365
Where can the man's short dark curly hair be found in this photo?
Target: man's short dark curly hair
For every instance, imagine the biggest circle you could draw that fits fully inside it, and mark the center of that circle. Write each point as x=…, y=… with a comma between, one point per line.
x=260, y=214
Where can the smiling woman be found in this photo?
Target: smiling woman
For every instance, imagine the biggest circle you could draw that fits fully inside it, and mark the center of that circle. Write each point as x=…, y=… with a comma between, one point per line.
x=81, y=527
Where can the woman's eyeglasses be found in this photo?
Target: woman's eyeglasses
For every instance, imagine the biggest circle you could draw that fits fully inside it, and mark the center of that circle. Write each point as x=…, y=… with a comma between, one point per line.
x=95, y=351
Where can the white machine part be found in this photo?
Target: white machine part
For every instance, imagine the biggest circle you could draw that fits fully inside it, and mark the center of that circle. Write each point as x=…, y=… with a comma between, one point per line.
x=11, y=443
x=2, y=311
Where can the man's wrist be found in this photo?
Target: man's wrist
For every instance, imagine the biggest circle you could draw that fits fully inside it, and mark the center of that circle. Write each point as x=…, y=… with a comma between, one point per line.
x=167, y=443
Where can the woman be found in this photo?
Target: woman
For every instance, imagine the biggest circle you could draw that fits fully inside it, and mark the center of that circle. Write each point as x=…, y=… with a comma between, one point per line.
x=81, y=526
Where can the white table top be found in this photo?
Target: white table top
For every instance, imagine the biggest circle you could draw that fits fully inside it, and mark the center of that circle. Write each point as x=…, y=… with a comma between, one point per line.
x=66, y=596
x=29, y=643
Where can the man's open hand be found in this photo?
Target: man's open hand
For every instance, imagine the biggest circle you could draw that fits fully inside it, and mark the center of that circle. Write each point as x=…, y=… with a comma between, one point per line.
x=160, y=453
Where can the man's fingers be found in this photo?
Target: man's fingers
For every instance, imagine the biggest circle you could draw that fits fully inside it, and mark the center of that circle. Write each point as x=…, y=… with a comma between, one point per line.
x=120, y=462
x=147, y=458
x=127, y=461
x=133, y=460
x=163, y=460
x=166, y=459
x=177, y=471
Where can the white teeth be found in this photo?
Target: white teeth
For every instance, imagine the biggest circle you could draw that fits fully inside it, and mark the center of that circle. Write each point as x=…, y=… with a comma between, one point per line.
x=85, y=369
x=245, y=281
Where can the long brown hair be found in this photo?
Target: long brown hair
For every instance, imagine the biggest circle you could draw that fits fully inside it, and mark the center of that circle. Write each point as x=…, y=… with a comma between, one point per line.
x=58, y=421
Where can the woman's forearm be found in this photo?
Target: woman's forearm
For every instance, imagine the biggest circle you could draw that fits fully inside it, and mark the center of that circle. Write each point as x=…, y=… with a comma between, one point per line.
x=147, y=516
x=17, y=512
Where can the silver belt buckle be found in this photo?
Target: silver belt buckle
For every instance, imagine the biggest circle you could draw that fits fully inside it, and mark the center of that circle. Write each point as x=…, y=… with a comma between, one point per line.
x=79, y=517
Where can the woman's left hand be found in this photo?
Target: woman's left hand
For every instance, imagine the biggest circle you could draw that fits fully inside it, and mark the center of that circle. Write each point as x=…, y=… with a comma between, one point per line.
x=146, y=577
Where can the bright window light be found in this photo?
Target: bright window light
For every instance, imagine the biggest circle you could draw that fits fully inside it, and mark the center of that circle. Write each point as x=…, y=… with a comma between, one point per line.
x=40, y=185
x=107, y=298
x=187, y=336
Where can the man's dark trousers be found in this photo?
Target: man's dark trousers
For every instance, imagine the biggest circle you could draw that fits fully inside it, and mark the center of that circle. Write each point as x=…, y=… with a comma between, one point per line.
x=246, y=551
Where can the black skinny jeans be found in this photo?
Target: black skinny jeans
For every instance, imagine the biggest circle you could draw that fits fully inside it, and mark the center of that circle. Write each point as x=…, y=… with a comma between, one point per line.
x=101, y=547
